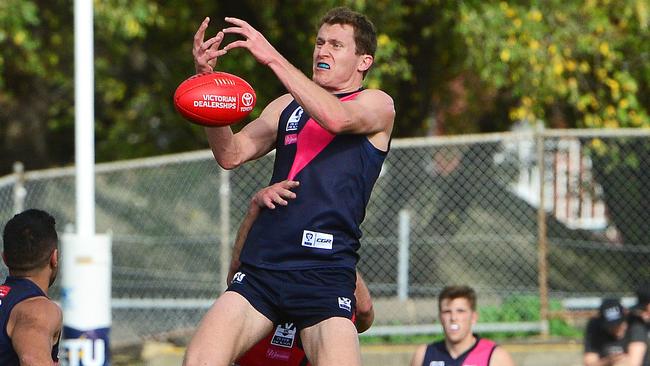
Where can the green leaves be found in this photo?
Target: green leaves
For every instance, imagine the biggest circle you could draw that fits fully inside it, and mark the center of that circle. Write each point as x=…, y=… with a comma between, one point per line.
x=571, y=54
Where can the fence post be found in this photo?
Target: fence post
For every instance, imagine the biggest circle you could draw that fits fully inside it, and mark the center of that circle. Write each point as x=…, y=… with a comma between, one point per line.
x=20, y=192
x=224, y=205
x=403, y=255
x=541, y=236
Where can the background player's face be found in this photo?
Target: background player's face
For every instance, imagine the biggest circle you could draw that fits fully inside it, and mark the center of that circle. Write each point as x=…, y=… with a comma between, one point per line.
x=457, y=319
x=336, y=64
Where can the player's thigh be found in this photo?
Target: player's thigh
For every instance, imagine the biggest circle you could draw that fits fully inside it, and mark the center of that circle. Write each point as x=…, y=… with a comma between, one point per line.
x=228, y=329
x=332, y=342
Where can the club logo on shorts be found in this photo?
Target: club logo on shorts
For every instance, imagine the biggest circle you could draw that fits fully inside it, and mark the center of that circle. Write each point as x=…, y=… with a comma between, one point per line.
x=314, y=239
x=345, y=303
x=284, y=335
x=292, y=123
x=238, y=277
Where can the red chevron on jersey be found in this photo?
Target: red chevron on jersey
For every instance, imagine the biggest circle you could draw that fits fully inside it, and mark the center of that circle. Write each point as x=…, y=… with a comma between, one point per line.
x=312, y=139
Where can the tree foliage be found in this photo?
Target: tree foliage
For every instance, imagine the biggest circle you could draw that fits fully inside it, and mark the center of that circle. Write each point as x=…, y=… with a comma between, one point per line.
x=451, y=67
x=569, y=63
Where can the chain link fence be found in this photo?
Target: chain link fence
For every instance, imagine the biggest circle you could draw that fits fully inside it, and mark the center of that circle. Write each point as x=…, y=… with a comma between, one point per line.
x=478, y=210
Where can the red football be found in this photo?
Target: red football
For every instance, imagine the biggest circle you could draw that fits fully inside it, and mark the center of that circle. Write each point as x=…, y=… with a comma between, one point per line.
x=214, y=99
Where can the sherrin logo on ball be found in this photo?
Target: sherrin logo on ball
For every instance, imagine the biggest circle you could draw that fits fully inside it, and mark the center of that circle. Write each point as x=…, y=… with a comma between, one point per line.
x=214, y=99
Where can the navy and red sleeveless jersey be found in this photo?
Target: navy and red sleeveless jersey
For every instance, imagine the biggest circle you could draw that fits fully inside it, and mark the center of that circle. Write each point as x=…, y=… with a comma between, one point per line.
x=479, y=355
x=12, y=292
x=320, y=228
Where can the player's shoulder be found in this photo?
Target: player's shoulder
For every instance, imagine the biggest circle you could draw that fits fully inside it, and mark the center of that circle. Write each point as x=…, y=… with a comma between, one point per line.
x=282, y=101
x=501, y=357
x=39, y=307
x=276, y=106
x=376, y=94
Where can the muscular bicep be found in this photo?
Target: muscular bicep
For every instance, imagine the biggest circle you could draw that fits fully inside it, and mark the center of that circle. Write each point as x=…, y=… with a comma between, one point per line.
x=36, y=328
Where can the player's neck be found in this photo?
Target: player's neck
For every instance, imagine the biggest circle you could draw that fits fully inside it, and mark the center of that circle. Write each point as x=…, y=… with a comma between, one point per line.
x=40, y=278
x=458, y=348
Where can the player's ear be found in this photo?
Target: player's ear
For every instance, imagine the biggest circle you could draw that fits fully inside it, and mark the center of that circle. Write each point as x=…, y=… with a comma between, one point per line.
x=365, y=62
x=474, y=317
x=54, y=258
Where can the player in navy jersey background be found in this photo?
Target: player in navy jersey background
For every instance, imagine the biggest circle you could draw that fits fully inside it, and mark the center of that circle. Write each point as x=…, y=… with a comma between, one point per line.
x=331, y=135
x=457, y=313
x=31, y=322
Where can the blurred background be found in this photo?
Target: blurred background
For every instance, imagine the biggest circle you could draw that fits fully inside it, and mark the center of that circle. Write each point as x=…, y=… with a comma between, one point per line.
x=519, y=163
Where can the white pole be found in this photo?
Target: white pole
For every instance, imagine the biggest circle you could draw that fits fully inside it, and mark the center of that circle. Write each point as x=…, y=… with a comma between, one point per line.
x=86, y=279
x=403, y=255
x=84, y=96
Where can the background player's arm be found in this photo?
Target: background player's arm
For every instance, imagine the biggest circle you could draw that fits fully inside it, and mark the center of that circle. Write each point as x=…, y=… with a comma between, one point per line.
x=418, y=356
x=635, y=353
x=365, y=314
x=268, y=197
x=501, y=357
x=34, y=327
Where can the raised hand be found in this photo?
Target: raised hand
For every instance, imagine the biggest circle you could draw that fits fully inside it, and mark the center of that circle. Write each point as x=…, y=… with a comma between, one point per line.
x=253, y=40
x=206, y=53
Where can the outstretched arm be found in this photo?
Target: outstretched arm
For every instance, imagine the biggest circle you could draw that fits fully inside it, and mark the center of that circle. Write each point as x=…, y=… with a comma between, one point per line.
x=371, y=113
x=267, y=197
x=257, y=137
x=34, y=327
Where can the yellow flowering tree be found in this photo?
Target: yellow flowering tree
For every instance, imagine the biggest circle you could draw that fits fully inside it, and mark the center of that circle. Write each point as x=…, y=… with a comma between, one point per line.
x=575, y=63
x=586, y=60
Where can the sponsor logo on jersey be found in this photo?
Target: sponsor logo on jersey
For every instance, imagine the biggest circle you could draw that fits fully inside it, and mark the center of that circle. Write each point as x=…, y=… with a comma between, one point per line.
x=4, y=290
x=437, y=363
x=345, y=303
x=292, y=123
x=314, y=239
x=284, y=335
x=290, y=139
x=238, y=277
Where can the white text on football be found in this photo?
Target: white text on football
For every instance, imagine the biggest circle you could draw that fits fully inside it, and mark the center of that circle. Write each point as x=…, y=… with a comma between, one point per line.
x=217, y=101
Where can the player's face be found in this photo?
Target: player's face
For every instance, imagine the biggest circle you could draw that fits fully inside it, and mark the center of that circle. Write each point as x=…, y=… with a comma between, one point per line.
x=457, y=319
x=336, y=65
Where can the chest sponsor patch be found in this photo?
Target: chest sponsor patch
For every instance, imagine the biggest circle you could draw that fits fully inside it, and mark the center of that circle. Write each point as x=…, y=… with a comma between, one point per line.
x=284, y=335
x=290, y=139
x=4, y=290
x=314, y=239
x=294, y=120
x=437, y=363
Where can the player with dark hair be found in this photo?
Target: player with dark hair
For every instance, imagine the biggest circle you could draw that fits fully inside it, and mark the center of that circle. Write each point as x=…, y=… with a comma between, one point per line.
x=31, y=322
x=457, y=313
x=332, y=135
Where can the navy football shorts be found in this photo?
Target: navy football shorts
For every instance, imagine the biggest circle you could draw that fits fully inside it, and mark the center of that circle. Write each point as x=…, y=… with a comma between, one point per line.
x=305, y=297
